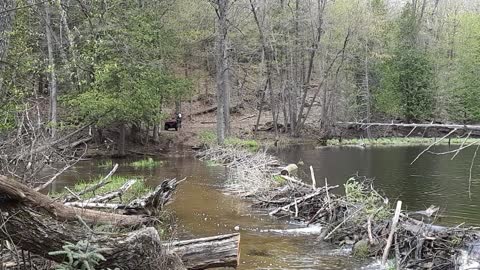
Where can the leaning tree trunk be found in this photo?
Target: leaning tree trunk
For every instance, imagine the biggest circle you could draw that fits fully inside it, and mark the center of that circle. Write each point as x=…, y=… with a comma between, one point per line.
x=51, y=66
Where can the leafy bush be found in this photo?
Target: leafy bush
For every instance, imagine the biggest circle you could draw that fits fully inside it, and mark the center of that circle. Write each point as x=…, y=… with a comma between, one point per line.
x=362, y=193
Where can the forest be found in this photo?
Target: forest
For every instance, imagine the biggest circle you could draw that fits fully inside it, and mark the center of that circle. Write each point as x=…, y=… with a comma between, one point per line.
x=309, y=64
x=77, y=76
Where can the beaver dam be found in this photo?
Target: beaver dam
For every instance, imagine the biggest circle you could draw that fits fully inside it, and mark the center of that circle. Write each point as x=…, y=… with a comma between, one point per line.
x=212, y=201
x=362, y=218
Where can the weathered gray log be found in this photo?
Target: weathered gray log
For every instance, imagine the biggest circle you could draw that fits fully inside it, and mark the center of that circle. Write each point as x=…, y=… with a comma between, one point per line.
x=157, y=199
x=209, y=252
x=12, y=191
x=90, y=205
x=453, y=126
x=111, y=195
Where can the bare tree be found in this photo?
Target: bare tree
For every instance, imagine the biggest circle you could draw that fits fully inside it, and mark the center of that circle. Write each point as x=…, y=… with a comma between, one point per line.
x=222, y=77
x=7, y=15
x=51, y=68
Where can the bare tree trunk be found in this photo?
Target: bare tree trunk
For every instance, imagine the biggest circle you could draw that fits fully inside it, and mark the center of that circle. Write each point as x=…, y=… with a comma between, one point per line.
x=222, y=70
x=260, y=108
x=6, y=22
x=227, y=89
x=71, y=43
x=51, y=67
x=367, y=87
x=321, y=8
x=268, y=52
x=121, y=140
x=156, y=129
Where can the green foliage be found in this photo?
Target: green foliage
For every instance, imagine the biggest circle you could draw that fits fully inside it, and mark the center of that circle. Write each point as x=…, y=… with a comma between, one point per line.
x=132, y=77
x=82, y=255
x=464, y=100
x=361, y=193
x=406, y=88
x=279, y=179
x=148, y=163
x=250, y=145
x=207, y=137
x=406, y=85
x=106, y=164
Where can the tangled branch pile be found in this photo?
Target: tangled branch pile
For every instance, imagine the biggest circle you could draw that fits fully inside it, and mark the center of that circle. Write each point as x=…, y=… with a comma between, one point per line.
x=250, y=171
x=362, y=218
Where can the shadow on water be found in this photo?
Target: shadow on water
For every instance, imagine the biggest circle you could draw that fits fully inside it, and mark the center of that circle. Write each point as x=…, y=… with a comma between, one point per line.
x=202, y=209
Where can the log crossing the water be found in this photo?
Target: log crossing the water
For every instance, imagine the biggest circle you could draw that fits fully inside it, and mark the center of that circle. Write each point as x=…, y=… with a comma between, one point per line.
x=431, y=125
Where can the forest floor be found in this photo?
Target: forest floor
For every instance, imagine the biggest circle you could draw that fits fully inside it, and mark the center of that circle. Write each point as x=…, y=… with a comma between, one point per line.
x=197, y=125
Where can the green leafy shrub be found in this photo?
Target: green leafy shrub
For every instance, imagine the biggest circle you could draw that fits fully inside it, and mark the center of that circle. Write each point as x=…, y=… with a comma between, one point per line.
x=362, y=193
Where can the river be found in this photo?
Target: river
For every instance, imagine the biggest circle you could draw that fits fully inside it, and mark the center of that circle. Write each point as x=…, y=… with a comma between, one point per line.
x=203, y=209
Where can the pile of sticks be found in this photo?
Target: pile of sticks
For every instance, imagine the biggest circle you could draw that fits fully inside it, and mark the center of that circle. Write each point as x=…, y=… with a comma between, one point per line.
x=362, y=218
x=365, y=221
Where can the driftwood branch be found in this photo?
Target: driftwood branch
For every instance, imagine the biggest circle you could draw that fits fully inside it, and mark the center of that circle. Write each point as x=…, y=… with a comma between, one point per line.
x=393, y=228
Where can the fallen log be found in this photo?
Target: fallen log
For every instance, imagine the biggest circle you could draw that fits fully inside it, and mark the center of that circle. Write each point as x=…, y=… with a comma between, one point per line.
x=141, y=249
x=13, y=192
x=93, y=205
x=209, y=252
x=453, y=126
x=35, y=223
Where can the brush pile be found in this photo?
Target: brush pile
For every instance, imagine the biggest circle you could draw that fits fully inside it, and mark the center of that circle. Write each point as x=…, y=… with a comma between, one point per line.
x=362, y=218
x=250, y=171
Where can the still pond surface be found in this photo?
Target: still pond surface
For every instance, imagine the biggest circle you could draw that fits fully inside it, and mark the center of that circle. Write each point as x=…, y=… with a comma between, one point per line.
x=202, y=209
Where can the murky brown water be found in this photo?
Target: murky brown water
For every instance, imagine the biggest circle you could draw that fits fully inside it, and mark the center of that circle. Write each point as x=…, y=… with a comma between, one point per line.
x=203, y=210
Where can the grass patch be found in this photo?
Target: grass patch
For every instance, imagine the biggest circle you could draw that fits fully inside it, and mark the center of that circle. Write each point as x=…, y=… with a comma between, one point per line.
x=148, y=163
x=400, y=141
x=209, y=138
x=137, y=190
x=251, y=145
x=106, y=164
